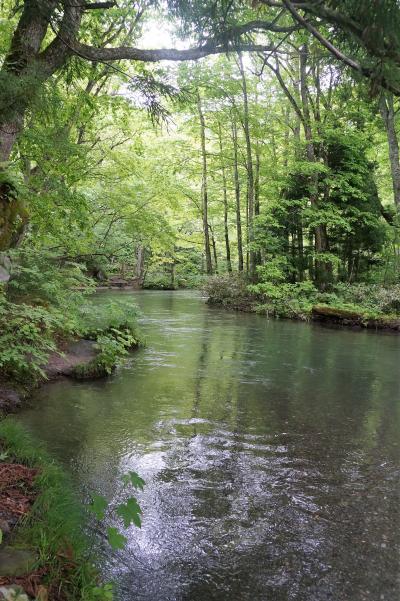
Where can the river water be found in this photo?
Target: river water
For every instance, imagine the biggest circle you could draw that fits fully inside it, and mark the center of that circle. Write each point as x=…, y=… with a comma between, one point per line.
x=270, y=450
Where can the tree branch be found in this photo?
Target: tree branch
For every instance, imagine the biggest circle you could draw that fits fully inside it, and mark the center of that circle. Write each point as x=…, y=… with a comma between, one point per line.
x=353, y=64
x=163, y=54
x=98, y=5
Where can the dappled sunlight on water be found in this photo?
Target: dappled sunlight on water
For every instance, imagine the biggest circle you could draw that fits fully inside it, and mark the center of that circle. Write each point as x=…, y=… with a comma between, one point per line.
x=271, y=452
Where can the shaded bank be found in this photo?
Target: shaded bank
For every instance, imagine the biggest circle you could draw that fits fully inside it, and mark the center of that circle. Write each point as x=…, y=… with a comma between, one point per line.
x=346, y=306
x=44, y=550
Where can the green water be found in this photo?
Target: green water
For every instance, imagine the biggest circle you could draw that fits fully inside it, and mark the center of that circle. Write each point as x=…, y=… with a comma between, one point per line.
x=271, y=452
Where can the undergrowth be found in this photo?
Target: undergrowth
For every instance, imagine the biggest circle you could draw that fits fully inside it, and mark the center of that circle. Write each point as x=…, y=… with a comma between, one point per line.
x=53, y=527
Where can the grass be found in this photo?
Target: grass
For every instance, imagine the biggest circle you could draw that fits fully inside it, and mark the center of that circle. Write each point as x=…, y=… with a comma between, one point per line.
x=55, y=523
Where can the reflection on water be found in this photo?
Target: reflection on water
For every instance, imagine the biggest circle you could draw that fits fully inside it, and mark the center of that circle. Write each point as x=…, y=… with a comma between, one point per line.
x=270, y=451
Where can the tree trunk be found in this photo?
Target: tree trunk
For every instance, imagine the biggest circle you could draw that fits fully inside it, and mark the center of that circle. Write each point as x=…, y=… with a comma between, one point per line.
x=225, y=196
x=250, y=171
x=140, y=264
x=214, y=247
x=322, y=268
x=204, y=189
x=25, y=68
x=237, y=196
x=388, y=116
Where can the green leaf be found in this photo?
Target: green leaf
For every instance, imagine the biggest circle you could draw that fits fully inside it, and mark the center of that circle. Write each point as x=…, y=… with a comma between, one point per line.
x=115, y=538
x=98, y=505
x=134, y=479
x=130, y=512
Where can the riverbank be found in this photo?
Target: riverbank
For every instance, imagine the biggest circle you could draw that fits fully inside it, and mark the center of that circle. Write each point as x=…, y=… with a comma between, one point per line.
x=43, y=550
x=356, y=306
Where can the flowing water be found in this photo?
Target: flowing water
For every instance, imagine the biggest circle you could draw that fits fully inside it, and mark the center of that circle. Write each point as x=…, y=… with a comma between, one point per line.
x=270, y=450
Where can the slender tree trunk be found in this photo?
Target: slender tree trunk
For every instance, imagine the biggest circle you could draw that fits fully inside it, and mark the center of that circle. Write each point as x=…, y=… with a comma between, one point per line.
x=140, y=264
x=204, y=188
x=214, y=247
x=250, y=171
x=388, y=116
x=257, y=254
x=237, y=195
x=225, y=195
x=322, y=268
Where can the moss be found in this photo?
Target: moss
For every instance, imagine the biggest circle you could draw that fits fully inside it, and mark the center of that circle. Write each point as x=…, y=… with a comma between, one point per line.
x=90, y=371
x=54, y=526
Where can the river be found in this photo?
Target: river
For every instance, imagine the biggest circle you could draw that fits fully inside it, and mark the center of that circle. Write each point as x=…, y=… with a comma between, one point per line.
x=270, y=451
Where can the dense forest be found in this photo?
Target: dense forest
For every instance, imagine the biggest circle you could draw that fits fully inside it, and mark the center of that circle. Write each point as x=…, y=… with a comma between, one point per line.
x=280, y=164
x=247, y=149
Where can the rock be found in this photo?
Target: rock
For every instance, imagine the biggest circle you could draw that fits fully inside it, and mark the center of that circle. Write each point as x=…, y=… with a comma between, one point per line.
x=4, y=526
x=5, y=267
x=13, y=593
x=4, y=274
x=10, y=400
x=16, y=562
x=77, y=353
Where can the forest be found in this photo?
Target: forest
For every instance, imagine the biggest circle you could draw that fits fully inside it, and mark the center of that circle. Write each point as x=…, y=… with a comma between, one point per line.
x=246, y=150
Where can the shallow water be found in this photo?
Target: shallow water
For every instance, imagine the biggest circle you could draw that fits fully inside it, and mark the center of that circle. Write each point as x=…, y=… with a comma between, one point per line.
x=270, y=449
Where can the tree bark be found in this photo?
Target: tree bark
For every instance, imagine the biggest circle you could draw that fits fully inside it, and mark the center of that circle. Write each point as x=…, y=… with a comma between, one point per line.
x=388, y=115
x=250, y=171
x=237, y=195
x=322, y=268
x=225, y=196
x=204, y=187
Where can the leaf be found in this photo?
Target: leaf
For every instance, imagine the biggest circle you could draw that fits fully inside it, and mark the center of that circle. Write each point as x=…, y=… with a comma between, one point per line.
x=134, y=479
x=115, y=538
x=130, y=512
x=104, y=593
x=98, y=505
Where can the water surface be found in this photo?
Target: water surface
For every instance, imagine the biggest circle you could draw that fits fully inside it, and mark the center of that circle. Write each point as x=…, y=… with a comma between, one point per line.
x=270, y=451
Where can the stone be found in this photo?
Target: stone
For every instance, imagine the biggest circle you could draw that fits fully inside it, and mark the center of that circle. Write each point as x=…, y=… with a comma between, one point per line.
x=4, y=526
x=13, y=593
x=9, y=399
x=4, y=274
x=16, y=562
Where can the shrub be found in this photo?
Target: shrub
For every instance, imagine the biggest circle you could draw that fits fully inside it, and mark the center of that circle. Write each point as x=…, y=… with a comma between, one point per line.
x=231, y=291
x=27, y=336
x=286, y=300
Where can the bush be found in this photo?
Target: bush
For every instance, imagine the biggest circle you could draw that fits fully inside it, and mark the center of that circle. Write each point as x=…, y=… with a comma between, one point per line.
x=286, y=300
x=231, y=291
x=27, y=337
x=372, y=297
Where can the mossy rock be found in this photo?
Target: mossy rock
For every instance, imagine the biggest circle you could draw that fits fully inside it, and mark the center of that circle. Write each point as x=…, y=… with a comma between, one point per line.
x=336, y=313
x=89, y=371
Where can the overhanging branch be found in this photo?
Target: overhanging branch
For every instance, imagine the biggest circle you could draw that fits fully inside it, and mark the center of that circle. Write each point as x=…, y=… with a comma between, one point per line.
x=94, y=54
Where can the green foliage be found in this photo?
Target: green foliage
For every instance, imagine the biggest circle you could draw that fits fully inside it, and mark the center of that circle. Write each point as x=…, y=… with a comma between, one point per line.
x=129, y=511
x=27, y=337
x=230, y=291
x=42, y=304
x=55, y=523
